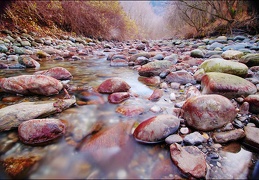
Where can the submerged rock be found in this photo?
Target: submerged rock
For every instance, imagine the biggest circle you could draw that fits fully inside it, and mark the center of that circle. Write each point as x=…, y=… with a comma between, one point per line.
x=182, y=156
x=226, y=84
x=38, y=131
x=31, y=84
x=12, y=116
x=118, y=97
x=156, y=95
x=156, y=129
x=208, y=112
x=28, y=62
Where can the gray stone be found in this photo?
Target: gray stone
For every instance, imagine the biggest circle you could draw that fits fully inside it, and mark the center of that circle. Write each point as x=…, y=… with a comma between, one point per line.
x=194, y=138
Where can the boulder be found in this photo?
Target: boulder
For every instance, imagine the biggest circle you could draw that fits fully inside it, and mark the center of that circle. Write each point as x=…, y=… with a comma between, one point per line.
x=208, y=112
x=224, y=66
x=250, y=60
x=154, y=68
x=59, y=73
x=113, y=85
x=181, y=77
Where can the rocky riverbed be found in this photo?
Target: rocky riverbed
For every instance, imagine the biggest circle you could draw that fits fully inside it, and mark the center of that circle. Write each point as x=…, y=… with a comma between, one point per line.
x=74, y=107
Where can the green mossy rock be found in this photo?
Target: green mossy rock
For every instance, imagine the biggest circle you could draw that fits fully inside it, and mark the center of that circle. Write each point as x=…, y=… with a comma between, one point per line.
x=228, y=85
x=224, y=66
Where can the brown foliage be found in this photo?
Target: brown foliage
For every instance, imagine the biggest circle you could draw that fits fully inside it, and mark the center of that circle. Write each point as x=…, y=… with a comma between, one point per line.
x=97, y=19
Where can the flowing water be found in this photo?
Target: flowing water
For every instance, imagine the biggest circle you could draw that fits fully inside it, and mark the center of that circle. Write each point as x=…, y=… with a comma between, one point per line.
x=62, y=160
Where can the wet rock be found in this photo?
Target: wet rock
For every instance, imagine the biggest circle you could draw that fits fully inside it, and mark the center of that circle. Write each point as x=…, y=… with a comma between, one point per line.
x=194, y=138
x=226, y=84
x=12, y=116
x=181, y=77
x=112, y=144
x=251, y=136
x=113, y=85
x=253, y=101
x=119, y=63
x=182, y=156
x=197, y=53
x=208, y=112
x=156, y=109
x=224, y=66
x=224, y=137
x=156, y=129
x=31, y=84
x=164, y=169
x=59, y=73
x=154, y=68
x=16, y=66
x=19, y=167
x=232, y=54
x=89, y=98
x=118, y=97
x=135, y=56
x=28, y=62
x=174, y=138
x=156, y=95
x=38, y=131
x=150, y=81
x=130, y=109
x=250, y=59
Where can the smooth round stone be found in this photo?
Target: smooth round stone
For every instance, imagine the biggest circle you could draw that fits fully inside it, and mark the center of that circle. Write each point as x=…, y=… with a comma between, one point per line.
x=184, y=130
x=174, y=138
x=172, y=97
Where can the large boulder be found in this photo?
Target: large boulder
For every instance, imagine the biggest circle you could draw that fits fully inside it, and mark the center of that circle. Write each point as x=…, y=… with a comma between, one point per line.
x=31, y=84
x=224, y=66
x=208, y=112
x=227, y=85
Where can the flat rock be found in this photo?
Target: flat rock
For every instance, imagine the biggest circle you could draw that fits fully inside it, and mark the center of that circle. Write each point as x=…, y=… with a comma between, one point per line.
x=208, y=112
x=226, y=84
x=156, y=129
x=12, y=116
x=194, y=138
x=227, y=136
x=224, y=66
x=251, y=136
x=182, y=156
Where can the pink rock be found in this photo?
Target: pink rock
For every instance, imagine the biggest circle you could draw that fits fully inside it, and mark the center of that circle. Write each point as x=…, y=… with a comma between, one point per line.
x=113, y=85
x=181, y=77
x=38, y=131
x=157, y=128
x=156, y=95
x=224, y=137
x=253, y=101
x=31, y=84
x=59, y=73
x=89, y=97
x=150, y=81
x=189, y=159
x=208, y=112
x=118, y=97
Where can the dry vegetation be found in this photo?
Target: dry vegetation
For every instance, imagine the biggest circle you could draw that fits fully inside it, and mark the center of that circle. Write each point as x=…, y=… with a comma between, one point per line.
x=114, y=20
x=96, y=19
x=205, y=18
